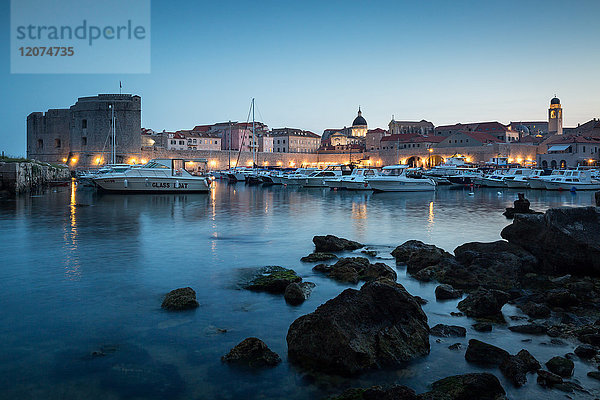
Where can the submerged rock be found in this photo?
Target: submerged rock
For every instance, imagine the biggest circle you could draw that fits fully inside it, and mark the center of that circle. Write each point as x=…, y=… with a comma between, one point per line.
x=418, y=255
x=333, y=243
x=252, y=352
x=442, y=330
x=318, y=256
x=532, y=329
x=180, y=299
x=484, y=303
x=273, y=279
x=482, y=327
x=480, y=386
x=565, y=240
x=355, y=269
x=483, y=353
x=396, y=392
x=446, y=292
x=561, y=366
x=379, y=325
x=297, y=293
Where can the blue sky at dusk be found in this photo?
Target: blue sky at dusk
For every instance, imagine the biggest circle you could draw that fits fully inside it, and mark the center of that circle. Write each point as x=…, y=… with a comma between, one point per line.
x=310, y=64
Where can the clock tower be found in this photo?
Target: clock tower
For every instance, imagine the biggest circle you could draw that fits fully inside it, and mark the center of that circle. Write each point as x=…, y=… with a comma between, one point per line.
x=555, y=117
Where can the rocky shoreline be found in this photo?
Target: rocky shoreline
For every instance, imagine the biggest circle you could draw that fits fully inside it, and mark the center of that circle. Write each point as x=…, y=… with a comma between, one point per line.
x=548, y=266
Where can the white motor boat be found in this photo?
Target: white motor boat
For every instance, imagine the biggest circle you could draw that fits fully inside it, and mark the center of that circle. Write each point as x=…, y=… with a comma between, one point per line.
x=495, y=180
x=317, y=178
x=393, y=179
x=238, y=174
x=157, y=176
x=517, y=173
x=536, y=181
x=573, y=180
x=354, y=181
x=87, y=178
x=298, y=176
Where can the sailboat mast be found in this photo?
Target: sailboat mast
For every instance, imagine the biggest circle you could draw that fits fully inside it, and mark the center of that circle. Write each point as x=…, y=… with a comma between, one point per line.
x=253, y=138
x=114, y=136
x=229, y=147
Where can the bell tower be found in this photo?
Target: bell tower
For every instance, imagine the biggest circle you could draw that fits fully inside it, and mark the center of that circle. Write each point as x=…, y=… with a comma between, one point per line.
x=555, y=117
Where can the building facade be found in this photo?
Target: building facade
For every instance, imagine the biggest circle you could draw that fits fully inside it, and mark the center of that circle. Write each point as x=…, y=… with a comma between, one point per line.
x=421, y=127
x=292, y=140
x=82, y=134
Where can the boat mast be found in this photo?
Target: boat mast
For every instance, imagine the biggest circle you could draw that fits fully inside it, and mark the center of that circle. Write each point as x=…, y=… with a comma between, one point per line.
x=229, y=147
x=114, y=135
x=253, y=138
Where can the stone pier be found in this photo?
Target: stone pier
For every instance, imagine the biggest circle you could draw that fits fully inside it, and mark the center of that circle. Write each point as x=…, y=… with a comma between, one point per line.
x=22, y=176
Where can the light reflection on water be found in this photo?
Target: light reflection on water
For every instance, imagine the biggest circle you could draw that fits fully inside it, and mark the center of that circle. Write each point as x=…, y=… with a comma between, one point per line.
x=75, y=278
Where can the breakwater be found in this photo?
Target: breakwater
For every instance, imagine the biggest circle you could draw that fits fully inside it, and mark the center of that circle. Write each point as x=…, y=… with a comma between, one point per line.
x=21, y=176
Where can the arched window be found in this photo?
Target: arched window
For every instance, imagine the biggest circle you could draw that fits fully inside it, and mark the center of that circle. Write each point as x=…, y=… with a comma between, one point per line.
x=553, y=164
x=57, y=143
x=84, y=123
x=40, y=144
x=563, y=164
x=544, y=164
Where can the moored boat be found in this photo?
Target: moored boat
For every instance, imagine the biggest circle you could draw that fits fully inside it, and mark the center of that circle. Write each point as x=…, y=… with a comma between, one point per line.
x=393, y=179
x=157, y=176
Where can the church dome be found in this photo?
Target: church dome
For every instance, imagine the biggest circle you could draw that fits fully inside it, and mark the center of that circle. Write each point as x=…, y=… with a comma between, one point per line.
x=359, y=120
x=555, y=101
x=523, y=129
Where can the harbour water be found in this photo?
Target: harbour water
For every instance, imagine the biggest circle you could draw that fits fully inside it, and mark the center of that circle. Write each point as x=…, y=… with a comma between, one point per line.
x=82, y=278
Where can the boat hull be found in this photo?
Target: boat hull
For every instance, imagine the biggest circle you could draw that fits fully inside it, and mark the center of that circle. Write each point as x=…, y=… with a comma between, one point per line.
x=402, y=186
x=570, y=185
x=152, y=185
x=536, y=183
x=516, y=184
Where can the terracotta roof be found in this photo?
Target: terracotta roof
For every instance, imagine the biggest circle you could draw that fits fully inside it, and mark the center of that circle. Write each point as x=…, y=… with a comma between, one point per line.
x=377, y=130
x=482, y=137
x=574, y=139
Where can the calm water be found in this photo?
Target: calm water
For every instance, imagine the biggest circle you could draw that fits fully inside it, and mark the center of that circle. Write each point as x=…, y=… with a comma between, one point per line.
x=81, y=272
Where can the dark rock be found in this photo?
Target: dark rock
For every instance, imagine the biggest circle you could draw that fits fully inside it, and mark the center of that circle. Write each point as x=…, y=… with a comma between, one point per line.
x=482, y=327
x=325, y=268
x=333, y=243
x=421, y=300
x=484, y=303
x=565, y=240
x=480, y=386
x=355, y=269
x=396, y=392
x=597, y=198
x=380, y=324
x=455, y=346
x=180, y=299
x=586, y=351
x=252, y=352
x=561, y=366
x=445, y=292
x=370, y=253
x=316, y=257
x=495, y=265
x=273, y=279
x=521, y=206
x=532, y=329
x=590, y=338
x=548, y=379
x=594, y=374
x=535, y=310
x=418, y=255
x=515, y=368
x=482, y=353
x=297, y=293
x=457, y=314
x=442, y=330
x=561, y=298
